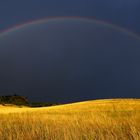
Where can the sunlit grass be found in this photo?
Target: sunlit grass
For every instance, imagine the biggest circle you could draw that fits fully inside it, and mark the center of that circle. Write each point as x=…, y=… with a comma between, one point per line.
x=92, y=120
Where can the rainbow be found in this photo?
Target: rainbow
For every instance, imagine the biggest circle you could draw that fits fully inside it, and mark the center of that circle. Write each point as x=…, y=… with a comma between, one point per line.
x=42, y=20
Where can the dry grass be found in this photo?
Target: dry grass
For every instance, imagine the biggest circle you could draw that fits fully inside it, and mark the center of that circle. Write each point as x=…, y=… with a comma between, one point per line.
x=92, y=120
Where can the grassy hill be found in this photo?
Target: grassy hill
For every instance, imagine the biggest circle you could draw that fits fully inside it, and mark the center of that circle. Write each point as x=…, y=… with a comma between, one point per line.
x=112, y=119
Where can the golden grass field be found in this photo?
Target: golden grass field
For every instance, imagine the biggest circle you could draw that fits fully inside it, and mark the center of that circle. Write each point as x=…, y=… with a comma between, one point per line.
x=114, y=119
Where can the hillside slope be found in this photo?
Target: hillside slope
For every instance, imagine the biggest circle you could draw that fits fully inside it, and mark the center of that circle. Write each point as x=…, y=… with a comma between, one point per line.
x=99, y=119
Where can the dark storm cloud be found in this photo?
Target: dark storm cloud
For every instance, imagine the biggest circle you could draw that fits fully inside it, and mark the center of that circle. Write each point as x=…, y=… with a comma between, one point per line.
x=72, y=60
x=124, y=13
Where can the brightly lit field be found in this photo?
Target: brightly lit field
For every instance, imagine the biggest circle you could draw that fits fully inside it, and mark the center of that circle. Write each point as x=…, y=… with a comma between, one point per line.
x=117, y=119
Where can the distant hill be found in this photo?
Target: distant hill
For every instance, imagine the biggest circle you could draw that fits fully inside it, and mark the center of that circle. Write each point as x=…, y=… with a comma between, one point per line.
x=14, y=99
x=21, y=100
